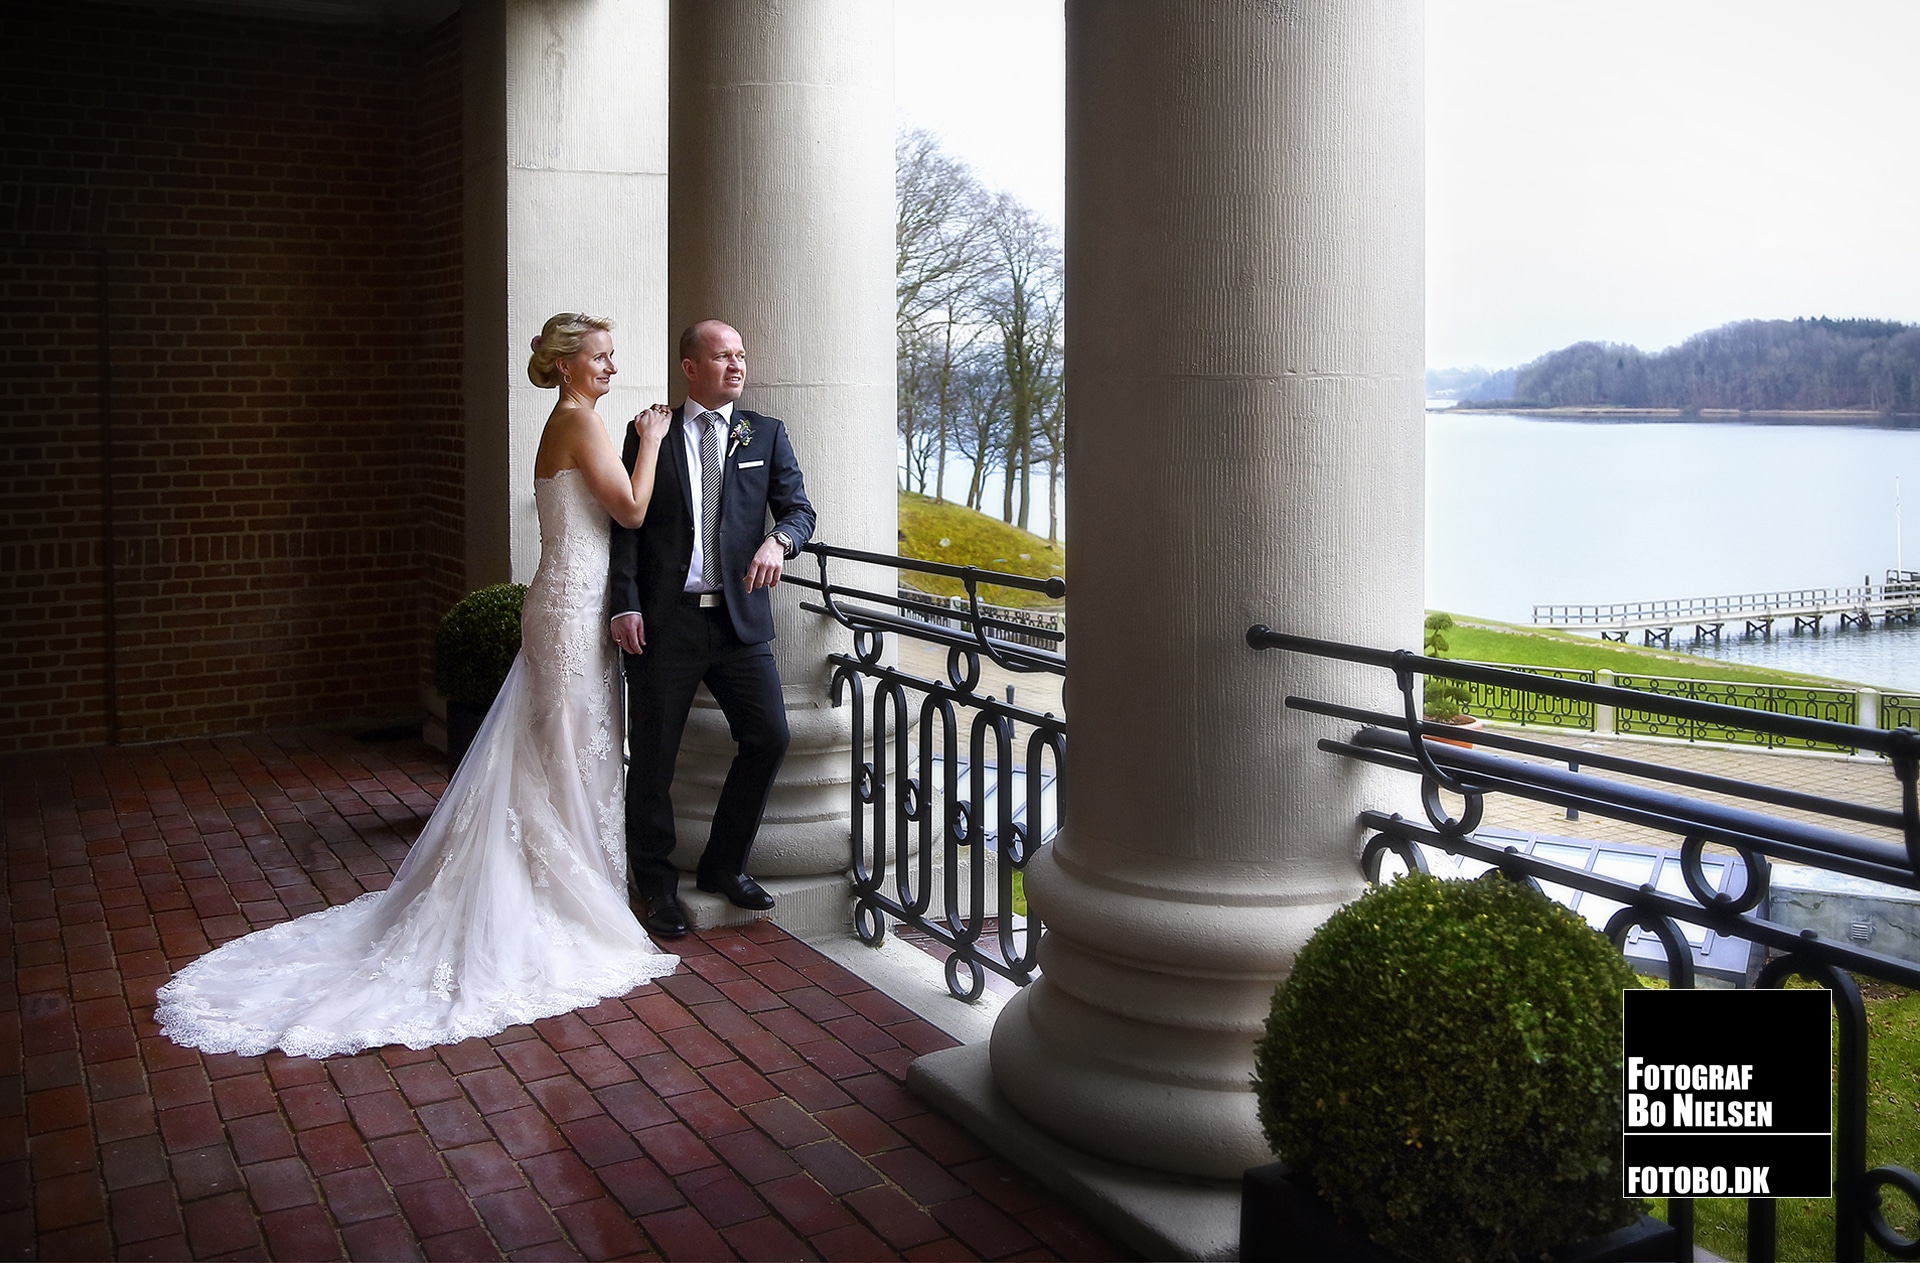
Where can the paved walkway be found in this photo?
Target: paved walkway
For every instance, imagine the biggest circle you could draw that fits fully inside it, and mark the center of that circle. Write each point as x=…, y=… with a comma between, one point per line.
x=1857, y=780
x=749, y=1106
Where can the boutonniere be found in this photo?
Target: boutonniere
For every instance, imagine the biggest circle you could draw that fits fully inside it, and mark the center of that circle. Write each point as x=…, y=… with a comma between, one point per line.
x=741, y=434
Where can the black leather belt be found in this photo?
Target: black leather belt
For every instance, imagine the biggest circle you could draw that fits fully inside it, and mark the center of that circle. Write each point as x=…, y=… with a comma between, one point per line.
x=705, y=600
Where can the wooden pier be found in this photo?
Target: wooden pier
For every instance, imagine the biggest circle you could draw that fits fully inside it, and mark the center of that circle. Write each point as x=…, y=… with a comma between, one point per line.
x=1897, y=600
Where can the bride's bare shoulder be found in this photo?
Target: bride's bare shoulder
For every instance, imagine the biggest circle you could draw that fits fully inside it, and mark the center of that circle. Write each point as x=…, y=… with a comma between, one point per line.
x=564, y=442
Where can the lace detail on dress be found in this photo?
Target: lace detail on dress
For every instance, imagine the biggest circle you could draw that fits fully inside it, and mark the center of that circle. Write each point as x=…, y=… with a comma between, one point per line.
x=594, y=753
x=511, y=905
x=613, y=835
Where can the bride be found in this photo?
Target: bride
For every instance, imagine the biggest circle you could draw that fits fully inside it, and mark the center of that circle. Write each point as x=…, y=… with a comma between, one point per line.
x=512, y=904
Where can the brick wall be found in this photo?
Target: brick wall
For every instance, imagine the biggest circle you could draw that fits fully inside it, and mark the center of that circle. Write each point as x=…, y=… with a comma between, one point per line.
x=269, y=213
x=440, y=422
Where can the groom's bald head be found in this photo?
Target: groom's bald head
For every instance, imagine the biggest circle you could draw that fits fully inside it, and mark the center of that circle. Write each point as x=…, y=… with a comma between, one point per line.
x=714, y=362
x=694, y=334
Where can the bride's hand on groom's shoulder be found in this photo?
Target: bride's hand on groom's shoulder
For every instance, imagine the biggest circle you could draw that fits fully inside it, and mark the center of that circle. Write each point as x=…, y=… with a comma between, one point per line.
x=652, y=424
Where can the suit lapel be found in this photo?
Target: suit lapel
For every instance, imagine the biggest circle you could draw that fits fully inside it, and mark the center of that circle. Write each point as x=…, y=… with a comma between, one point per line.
x=729, y=460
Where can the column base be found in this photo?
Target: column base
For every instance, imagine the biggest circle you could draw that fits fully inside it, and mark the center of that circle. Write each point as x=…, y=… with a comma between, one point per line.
x=1161, y=1216
x=805, y=907
x=805, y=830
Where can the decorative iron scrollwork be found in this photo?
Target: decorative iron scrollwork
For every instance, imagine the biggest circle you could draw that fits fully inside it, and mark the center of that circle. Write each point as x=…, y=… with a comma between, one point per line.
x=925, y=785
x=1884, y=1234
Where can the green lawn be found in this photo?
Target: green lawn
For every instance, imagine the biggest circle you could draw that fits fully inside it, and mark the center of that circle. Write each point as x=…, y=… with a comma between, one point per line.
x=1479, y=640
x=934, y=530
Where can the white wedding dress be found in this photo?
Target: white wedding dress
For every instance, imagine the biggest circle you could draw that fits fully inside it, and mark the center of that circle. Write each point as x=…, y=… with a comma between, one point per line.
x=512, y=904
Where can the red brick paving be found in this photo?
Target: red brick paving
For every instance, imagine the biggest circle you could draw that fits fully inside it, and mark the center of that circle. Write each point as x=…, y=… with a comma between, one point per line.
x=748, y=1107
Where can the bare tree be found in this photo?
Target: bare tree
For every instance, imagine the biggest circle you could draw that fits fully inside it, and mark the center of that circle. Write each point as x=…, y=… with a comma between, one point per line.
x=928, y=403
x=1053, y=450
x=1023, y=302
x=980, y=416
x=975, y=274
x=941, y=259
x=917, y=412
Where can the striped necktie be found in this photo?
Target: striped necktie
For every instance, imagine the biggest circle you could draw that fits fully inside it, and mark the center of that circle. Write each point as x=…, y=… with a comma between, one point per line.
x=710, y=498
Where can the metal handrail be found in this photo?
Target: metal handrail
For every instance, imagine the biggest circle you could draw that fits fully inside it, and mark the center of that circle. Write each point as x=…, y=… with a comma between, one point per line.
x=1003, y=653
x=1897, y=744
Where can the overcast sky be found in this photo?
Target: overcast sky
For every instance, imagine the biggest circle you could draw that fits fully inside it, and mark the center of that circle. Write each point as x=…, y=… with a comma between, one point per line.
x=990, y=76
x=1630, y=171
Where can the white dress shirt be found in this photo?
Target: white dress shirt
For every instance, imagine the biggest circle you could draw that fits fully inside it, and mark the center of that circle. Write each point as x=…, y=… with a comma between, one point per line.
x=690, y=440
x=697, y=577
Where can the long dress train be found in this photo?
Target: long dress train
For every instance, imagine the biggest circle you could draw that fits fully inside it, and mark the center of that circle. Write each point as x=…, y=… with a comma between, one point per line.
x=511, y=905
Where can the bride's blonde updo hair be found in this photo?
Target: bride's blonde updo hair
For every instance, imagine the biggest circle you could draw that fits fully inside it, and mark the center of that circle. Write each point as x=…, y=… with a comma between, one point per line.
x=560, y=337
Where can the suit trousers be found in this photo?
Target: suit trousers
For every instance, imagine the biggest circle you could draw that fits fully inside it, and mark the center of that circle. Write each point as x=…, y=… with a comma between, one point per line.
x=687, y=646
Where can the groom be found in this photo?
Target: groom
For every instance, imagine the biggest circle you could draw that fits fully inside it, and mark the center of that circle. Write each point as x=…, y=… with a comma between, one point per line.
x=689, y=591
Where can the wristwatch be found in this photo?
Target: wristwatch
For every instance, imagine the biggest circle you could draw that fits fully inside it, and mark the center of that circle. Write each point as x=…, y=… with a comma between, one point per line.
x=786, y=544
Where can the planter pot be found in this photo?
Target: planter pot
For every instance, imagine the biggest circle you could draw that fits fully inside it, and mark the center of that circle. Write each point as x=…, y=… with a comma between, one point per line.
x=1282, y=1218
x=463, y=721
x=1465, y=723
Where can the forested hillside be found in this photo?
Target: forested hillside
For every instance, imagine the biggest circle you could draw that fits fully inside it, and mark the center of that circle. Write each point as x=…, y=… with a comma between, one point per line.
x=1785, y=365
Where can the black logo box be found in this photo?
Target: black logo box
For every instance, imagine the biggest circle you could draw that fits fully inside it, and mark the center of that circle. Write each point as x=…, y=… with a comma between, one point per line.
x=1786, y=1036
x=1743, y=1165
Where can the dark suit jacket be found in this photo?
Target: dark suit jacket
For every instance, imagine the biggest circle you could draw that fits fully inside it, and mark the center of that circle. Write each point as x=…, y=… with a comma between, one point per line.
x=759, y=478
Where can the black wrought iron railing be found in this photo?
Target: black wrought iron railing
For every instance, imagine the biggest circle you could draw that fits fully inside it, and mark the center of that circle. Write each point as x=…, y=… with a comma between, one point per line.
x=1858, y=839
x=952, y=782
x=1839, y=707
x=1529, y=706
x=1040, y=629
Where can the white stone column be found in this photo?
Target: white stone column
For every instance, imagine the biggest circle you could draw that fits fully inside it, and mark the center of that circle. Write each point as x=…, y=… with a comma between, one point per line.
x=1603, y=715
x=782, y=225
x=565, y=118
x=1244, y=298
x=1867, y=707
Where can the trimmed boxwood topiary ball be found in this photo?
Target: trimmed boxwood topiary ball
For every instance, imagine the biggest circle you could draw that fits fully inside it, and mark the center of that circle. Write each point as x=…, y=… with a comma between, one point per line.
x=1444, y=1064
x=473, y=647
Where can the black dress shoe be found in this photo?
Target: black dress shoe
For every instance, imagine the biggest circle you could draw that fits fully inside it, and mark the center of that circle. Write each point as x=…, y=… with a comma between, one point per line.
x=740, y=890
x=665, y=918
